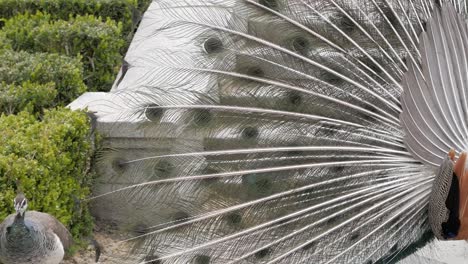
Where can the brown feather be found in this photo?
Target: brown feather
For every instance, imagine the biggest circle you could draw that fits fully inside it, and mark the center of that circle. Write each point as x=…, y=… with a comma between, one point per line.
x=463, y=180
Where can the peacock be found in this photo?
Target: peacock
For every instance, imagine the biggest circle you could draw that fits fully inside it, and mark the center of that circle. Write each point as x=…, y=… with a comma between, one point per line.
x=288, y=131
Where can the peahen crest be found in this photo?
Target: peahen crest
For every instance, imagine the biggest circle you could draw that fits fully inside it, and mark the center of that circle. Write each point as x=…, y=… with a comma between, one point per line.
x=284, y=131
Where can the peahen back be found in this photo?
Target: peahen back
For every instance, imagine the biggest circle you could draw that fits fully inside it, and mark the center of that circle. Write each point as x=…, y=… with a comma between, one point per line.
x=272, y=132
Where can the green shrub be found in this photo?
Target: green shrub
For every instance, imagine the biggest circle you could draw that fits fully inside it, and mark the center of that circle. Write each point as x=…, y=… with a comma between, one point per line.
x=4, y=42
x=143, y=5
x=124, y=11
x=30, y=97
x=98, y=43
x=51, y=159
x=65, y=72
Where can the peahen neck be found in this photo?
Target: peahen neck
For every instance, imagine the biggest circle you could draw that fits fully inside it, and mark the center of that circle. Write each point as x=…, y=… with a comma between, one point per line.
x=19, y=236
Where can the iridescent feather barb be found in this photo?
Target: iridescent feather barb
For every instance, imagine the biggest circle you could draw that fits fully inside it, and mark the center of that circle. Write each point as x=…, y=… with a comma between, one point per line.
x=279, y=132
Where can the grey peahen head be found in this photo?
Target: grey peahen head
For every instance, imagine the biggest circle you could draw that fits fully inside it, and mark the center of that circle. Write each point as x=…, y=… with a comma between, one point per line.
x=18, y=230
x=20, y=203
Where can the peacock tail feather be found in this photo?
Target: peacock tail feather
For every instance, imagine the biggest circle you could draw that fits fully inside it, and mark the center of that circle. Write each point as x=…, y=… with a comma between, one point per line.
x=300, y=131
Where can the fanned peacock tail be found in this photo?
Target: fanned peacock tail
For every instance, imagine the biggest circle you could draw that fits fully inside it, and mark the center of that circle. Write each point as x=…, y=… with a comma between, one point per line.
x=278, y=131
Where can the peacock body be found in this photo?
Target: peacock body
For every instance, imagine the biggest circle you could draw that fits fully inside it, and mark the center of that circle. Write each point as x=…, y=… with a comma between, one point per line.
x=273, y=131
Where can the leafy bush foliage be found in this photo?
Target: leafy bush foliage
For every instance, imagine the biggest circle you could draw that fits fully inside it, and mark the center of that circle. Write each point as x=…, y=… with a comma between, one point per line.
x=124, y=11
x=30, y=97
x=4, y=42
x=51, y=159
x=42, y=68
x=50, y=151
x=143, y=5
x=98, y=43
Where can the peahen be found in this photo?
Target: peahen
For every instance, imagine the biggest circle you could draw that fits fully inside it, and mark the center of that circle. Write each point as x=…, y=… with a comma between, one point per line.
x=32, y=237
x=290, y=131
